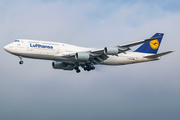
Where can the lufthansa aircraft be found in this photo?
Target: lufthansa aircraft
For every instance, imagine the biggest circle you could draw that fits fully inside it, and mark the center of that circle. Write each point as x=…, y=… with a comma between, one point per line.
x=70, y=57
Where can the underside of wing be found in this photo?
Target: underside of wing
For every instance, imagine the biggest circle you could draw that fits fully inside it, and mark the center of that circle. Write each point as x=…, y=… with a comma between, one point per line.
x=98, y=58
x=82, y=57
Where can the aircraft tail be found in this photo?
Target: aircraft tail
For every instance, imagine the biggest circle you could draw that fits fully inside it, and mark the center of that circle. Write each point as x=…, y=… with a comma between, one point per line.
x=151, y=46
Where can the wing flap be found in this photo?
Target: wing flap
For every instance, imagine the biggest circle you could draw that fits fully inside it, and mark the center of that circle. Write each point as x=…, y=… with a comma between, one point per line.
x=98, y=58
x=98, y=51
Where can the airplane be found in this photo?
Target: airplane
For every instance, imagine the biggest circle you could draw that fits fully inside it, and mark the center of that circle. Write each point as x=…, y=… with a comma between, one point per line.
x=70, y=57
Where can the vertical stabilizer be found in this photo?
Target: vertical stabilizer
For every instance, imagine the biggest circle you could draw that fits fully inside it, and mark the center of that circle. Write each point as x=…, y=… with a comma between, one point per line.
x=151, y=46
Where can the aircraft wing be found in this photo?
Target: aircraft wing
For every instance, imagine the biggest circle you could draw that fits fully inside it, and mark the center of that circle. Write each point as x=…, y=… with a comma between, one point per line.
x=94, y=58
x=65, y=56
x=126, y=47
x=99, y=55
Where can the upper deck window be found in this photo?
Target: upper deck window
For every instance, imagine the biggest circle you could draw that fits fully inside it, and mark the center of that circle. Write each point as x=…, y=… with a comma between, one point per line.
x=16, y=41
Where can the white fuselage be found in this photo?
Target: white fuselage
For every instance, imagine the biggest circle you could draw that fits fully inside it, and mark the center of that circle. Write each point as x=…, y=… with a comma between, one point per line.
x=53, y=50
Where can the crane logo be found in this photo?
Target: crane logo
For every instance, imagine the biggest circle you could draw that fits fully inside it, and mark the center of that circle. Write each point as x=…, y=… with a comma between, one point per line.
x=154, y=44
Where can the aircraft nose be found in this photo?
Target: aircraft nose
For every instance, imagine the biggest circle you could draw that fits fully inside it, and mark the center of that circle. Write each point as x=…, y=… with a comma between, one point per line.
x=6, y=48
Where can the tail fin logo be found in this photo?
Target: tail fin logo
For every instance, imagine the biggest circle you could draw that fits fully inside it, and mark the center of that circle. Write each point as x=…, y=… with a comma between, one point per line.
x=154, y=44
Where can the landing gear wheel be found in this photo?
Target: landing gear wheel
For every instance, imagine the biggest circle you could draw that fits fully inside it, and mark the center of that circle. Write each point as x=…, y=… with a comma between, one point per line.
x=21, y=62
x=78, y=71
x=92, y=68
x=88, y=69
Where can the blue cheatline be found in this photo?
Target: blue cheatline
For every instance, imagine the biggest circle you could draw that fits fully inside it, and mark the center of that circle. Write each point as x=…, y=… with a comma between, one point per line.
x=151, y=46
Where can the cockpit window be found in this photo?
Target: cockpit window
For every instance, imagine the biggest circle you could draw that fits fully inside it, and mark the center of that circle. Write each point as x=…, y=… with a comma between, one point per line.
x=16, y=41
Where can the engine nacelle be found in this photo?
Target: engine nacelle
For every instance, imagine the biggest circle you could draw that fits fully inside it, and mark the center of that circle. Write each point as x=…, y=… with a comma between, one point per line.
x=58, y=65
x=69, y=67
x=111, y=50
x=82, y=56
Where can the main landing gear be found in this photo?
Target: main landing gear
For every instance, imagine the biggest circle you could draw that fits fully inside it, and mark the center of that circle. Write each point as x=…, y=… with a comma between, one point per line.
x=20, y=62
x=89, y=68
x=86, y=68
x=77, y=69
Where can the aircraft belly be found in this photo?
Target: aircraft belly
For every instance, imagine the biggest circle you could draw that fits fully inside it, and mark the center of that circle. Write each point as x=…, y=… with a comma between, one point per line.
x=116, y=60
x=34, y=53
x=31, y=55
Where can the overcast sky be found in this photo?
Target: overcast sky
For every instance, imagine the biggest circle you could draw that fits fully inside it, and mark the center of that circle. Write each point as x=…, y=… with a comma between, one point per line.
x=35, y=91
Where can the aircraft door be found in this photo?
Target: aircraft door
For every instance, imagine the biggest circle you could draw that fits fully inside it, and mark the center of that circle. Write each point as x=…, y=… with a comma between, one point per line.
x=28, y=47
x=58, y=49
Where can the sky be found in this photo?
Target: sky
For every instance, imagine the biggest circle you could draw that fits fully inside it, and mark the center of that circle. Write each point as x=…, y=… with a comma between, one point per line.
x=144, y=91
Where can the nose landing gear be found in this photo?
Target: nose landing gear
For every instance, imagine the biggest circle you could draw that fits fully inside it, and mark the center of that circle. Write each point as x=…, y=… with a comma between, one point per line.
x=20, y=62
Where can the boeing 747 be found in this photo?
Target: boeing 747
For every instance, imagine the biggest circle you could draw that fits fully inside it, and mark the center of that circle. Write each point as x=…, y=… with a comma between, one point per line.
x=70, y=57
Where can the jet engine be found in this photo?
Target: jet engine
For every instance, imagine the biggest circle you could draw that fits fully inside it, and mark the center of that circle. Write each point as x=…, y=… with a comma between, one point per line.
x=61, y=65
x=58, y=65
x=82, y=56
x=111, y=50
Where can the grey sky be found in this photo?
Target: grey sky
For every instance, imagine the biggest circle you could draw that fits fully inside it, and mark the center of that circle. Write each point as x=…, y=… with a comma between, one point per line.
x=132, y=92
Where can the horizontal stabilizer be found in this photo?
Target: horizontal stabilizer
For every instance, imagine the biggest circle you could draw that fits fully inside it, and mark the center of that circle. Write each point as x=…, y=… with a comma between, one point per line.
x=158, y=55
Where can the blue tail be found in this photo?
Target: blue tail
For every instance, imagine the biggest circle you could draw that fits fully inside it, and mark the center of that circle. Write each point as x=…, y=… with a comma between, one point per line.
x=151, y=46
